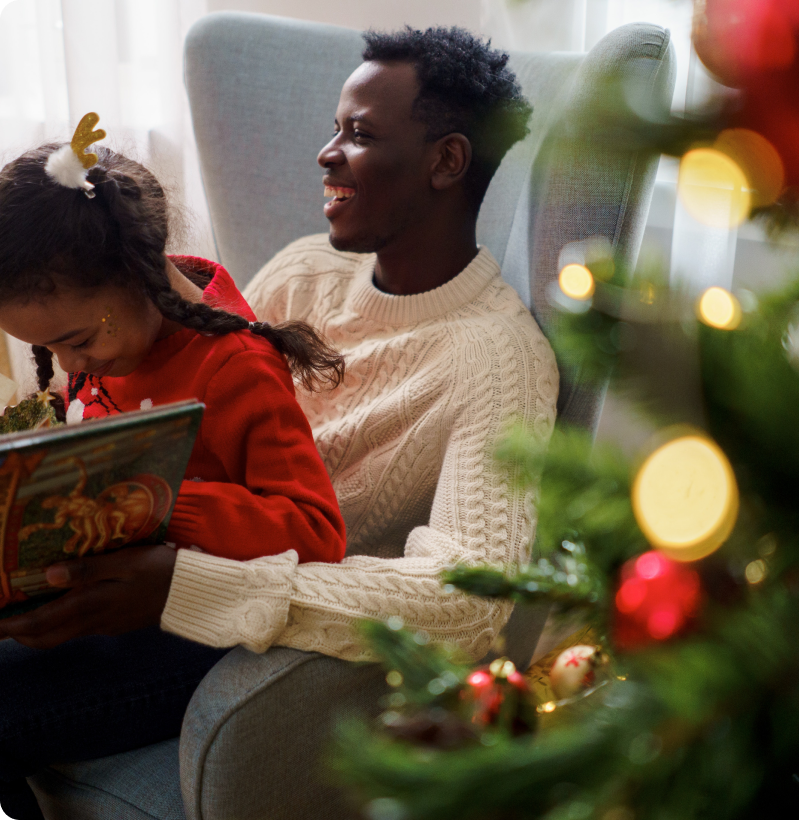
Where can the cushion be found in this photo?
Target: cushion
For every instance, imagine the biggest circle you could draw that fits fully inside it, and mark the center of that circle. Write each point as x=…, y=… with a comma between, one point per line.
x=133, y=786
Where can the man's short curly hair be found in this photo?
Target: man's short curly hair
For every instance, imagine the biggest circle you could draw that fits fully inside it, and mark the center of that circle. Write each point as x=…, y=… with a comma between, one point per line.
x=465, y=87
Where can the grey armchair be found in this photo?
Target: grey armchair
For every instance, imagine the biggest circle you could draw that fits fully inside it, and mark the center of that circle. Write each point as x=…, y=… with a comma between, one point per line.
x=263, y=93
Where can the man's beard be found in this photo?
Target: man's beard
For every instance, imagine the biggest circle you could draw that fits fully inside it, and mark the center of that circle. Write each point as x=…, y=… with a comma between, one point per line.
x=360, y=244
x=374, y=243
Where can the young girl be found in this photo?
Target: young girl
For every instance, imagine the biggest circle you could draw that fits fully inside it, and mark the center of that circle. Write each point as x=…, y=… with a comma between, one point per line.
x=84, y=277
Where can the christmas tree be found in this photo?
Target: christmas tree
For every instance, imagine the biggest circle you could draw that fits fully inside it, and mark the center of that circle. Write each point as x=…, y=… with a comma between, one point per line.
x=683, y=560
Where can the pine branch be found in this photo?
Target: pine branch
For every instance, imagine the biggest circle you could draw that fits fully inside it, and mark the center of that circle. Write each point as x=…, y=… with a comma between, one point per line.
x=584, y=494
x=565, y=578
x=421, y=672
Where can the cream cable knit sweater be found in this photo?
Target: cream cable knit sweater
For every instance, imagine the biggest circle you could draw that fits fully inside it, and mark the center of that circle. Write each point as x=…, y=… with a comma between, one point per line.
x=432, y=380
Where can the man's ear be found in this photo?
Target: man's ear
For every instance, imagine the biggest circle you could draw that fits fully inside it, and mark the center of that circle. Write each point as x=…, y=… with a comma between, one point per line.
x=453, y=158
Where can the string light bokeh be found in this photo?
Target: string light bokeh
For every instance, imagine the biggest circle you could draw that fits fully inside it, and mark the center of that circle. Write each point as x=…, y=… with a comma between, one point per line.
x=713, y=188
x=718, y=308
x=577, y=282
x=685, y=497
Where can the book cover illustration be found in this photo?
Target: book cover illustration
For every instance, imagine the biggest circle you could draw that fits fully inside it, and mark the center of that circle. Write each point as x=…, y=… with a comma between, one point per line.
x=78, y=490
x=30, y=414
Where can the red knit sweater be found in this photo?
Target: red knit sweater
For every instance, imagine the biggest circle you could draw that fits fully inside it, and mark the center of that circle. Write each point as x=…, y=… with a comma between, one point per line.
x=258, y=486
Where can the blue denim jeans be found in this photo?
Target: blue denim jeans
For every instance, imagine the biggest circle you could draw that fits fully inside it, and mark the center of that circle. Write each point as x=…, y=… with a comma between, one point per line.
x=90, y=698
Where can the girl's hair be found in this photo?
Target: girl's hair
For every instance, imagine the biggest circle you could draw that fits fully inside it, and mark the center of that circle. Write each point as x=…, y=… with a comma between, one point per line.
x=51, y=235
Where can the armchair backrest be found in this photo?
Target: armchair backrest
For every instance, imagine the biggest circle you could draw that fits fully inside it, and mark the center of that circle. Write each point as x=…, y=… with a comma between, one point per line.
x=261, y=116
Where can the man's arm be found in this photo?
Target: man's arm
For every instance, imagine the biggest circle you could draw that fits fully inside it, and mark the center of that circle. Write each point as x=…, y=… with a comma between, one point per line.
x=476, y=518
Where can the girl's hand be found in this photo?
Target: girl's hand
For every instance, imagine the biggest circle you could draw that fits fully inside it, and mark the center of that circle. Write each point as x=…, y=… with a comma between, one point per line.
x=108, y=595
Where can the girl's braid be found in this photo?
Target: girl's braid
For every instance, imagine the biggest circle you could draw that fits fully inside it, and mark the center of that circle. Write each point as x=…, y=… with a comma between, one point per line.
x=310, y=358
x=44, y=373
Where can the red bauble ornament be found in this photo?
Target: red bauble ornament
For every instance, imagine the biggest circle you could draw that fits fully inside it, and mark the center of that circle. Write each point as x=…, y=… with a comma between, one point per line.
x=499, y=696
x=770, y=107
x=657, y=599
x=754, y=45
x=739, y=39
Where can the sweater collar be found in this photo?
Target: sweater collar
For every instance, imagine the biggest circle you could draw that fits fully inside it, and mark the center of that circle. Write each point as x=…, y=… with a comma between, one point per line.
x=220, y=292
x=369, y=302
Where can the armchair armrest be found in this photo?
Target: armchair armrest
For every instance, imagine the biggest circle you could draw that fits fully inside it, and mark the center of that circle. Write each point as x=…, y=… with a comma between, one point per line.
x=257, y=727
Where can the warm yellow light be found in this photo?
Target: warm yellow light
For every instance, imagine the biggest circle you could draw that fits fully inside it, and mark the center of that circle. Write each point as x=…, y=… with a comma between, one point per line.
x=713, y=188
x=685, y=498
x=758, y=159
x=755, y=571
x=394, y=678
x=502, y=668
x=577, y=282
x=549, y=706
x=719, y=308
x=647, y=293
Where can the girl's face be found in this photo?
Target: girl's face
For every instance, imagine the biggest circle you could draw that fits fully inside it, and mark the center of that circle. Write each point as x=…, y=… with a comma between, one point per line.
x=106, y=331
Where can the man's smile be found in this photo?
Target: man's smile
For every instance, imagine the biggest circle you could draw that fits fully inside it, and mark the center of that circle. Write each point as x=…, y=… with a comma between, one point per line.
x=339, y=192
x=341, y=195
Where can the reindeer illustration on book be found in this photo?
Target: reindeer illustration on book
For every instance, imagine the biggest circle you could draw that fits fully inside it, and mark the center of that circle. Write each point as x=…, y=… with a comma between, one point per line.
x=122, y=513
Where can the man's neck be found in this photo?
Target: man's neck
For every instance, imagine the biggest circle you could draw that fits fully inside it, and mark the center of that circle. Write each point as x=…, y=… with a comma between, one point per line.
x=425, y=260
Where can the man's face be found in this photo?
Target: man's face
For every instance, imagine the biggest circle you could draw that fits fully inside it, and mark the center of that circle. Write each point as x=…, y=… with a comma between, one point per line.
x=377, y=166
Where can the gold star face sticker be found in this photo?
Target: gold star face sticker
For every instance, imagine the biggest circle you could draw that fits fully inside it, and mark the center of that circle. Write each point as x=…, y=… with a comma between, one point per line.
x=84, y=136
x=44, y=396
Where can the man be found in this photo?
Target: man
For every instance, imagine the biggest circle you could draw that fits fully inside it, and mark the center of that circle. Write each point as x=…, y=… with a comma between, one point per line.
x=442, y=356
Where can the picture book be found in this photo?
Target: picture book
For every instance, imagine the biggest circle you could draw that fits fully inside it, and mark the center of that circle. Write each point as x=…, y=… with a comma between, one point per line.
x=72, y=490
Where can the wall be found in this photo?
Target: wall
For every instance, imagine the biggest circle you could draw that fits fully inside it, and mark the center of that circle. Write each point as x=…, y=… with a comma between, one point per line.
x=362, y=14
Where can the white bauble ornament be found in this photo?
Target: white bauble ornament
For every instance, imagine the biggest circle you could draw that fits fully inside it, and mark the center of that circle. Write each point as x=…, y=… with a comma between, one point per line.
x=574, y=671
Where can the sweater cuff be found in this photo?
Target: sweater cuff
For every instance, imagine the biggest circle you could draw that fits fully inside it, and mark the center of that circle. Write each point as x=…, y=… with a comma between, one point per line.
x=221, y=602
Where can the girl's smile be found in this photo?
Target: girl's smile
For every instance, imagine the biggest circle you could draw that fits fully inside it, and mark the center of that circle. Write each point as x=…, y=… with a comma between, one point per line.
x=103, y=370
x=103, y=331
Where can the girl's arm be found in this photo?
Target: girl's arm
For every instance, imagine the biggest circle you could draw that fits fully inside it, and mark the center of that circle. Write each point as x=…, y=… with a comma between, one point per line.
x=279, y=497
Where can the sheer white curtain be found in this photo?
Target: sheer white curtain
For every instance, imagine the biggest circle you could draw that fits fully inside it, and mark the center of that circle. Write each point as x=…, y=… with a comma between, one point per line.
x=60, y=59
x=576, y=25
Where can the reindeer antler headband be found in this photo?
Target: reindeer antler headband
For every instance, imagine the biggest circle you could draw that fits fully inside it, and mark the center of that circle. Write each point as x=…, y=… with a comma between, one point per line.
x=70, y=164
